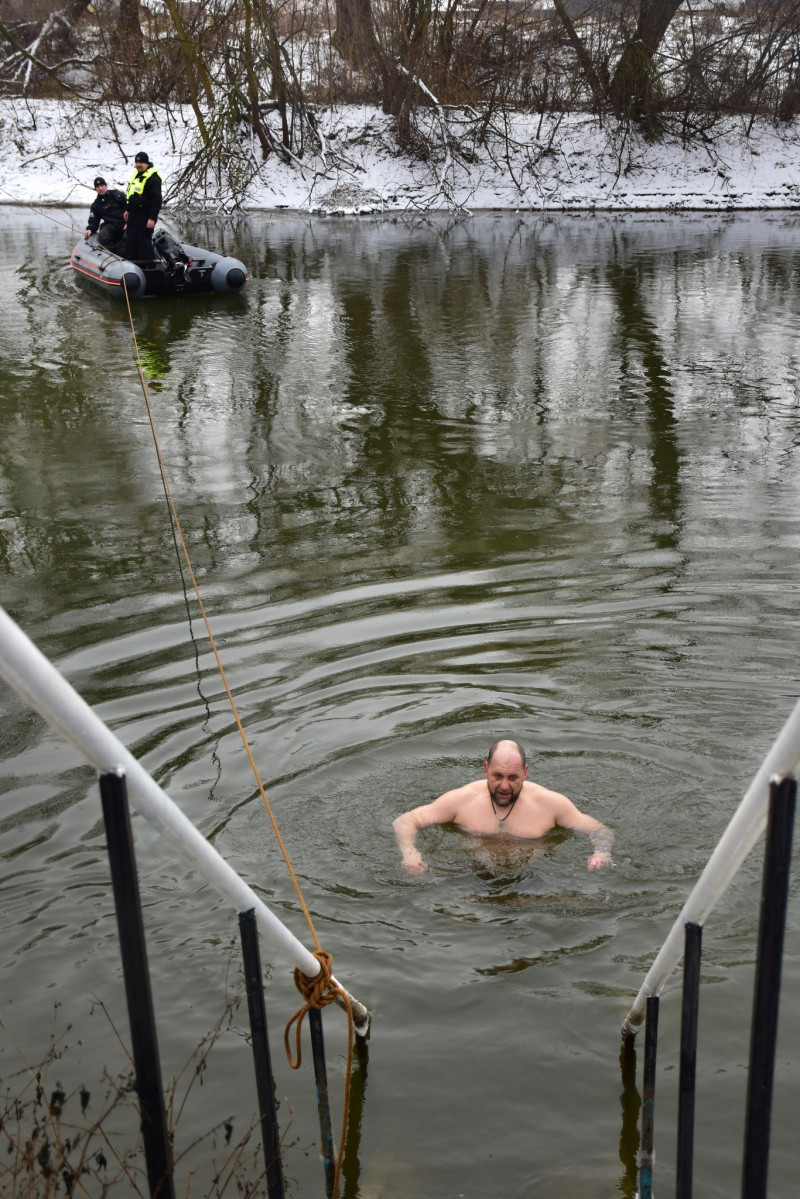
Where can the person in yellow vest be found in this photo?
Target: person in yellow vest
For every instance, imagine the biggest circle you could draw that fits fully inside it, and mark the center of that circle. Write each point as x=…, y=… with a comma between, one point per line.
x=143, y=199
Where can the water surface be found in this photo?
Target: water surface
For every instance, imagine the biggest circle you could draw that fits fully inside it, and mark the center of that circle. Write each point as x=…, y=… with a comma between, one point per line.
x=441, y=481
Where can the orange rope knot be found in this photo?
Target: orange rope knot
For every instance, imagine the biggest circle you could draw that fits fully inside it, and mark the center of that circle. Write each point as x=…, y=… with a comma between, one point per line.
x=317, y=992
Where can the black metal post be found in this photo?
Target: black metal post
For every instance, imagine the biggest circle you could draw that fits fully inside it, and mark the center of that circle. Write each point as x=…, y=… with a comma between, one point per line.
x=265, y=1089
x=686, y=1083
x=648, y=1099
x=323, y=1103
x=764, y=1030
x=144, y=1043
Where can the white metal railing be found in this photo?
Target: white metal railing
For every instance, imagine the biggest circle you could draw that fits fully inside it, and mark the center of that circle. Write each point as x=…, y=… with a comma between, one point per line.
x=746, y=826
x=27, y=670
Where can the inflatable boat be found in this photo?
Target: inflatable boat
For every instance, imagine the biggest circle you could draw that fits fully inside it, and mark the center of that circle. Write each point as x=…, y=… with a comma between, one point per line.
x=180, y=269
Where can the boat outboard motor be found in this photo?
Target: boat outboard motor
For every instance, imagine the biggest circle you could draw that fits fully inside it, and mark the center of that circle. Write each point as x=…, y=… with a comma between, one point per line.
x=171, y=250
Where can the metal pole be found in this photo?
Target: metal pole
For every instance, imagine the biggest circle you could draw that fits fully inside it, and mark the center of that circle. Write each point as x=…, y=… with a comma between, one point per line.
x=744, y=829
x=763, y=1038
x=688, y=1064
x=265, y=1089
x=323, y=1103
x=137, y=985
x=646, y=1155
x=26, y=669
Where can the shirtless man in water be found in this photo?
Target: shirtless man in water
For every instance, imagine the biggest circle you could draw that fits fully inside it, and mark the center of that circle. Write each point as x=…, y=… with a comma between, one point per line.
x=503, y=804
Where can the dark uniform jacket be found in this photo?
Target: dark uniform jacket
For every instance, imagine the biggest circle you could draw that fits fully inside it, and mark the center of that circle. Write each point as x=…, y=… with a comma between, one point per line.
x=108, y=208
x=146, y=204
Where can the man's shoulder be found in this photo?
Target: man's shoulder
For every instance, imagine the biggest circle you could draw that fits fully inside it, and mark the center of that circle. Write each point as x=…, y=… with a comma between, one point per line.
x=542, y=795
x=460, y=797
x=476, y=787
x=469, y=793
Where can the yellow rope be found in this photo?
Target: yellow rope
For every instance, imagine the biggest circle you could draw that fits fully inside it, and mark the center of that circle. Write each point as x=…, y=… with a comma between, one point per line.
x=201, y=605
x=318, y=992
x=321, y=991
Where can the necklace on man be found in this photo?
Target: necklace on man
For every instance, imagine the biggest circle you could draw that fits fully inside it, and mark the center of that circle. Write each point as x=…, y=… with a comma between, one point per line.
x=502, y=819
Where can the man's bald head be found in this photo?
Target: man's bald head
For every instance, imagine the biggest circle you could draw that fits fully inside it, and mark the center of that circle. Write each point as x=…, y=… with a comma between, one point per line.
x=503, y=747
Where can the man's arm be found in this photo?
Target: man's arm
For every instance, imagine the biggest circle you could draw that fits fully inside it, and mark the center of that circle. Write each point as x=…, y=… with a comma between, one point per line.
x=406, y=827
x=152, y=195
x=118, y=205
x=601, y=837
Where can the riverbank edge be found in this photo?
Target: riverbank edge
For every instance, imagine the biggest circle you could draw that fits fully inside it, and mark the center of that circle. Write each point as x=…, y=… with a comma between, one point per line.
x=394, y=213
x=543, y=165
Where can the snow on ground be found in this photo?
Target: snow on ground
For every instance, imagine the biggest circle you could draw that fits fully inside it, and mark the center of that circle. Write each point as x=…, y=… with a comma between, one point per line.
x=51, y=153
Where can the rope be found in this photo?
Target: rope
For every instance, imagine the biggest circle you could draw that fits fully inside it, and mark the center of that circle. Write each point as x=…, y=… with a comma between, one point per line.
x=317, y=992
x=217, y=658
x=40, y=211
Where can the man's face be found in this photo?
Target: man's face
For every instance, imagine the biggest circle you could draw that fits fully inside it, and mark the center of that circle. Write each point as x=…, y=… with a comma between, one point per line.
x=505, y=775
x=101, y=189
x=141, y=167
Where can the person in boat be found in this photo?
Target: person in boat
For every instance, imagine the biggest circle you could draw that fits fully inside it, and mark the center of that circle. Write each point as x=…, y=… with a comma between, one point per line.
x=503, y=804
x=107, y=214
x=143, y=199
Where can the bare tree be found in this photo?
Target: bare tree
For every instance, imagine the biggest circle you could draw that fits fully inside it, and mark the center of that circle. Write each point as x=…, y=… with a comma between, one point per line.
x=129, y=24
x=197, y=76
x=634, y=87
x=42, y=48
x=582, y=54
x=354, y=37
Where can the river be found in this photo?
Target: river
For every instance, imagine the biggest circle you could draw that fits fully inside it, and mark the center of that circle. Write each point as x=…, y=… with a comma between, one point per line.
x=441, y=481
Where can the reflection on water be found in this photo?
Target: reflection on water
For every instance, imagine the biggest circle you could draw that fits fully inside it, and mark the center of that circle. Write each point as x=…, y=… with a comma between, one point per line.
x=441, y=482
x=631, y=1103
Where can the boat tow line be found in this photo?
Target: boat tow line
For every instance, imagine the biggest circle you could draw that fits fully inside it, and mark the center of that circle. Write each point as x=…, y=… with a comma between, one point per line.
x=323, y=989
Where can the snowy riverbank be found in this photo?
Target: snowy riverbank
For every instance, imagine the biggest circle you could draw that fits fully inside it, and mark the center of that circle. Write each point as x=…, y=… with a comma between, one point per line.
x=52, y=152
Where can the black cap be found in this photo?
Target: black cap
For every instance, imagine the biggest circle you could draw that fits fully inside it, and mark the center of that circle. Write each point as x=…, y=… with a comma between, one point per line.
x=142, y=156
x=99, y=180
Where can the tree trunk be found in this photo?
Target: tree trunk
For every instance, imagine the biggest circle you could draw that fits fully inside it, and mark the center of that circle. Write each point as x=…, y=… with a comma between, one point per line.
x=195, y=67
x=583, y=55
x=129, y=25
x=354, y=38
x=400, y=87
x=633, y=90
x=654, y=19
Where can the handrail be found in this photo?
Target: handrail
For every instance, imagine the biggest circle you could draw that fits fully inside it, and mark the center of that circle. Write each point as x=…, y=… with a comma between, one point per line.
x=28, y=671
x=746, y=826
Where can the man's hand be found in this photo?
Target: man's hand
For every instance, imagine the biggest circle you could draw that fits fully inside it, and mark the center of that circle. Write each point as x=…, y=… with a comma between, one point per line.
x=602, y=839
x=151, y=224
x=599, y=860
x=87, y=234
x=413, y=862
